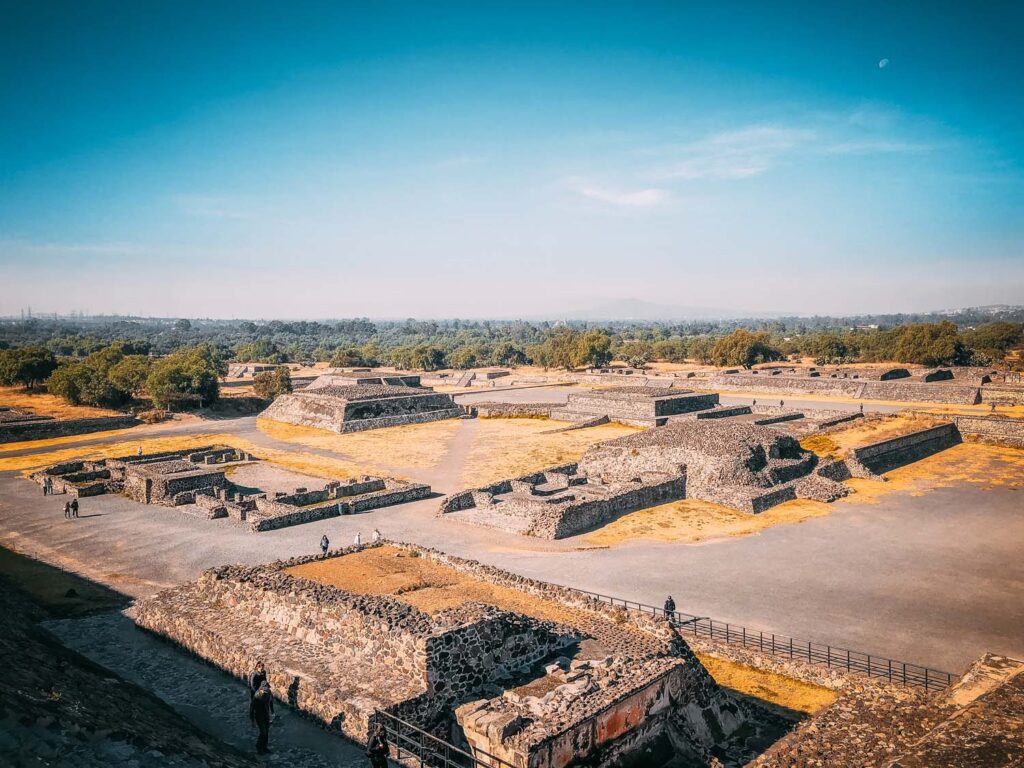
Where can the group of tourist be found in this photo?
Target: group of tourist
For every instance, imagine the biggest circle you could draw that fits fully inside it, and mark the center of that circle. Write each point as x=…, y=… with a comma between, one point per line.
x=261, y=714
x=70, y=507
x=325, y=543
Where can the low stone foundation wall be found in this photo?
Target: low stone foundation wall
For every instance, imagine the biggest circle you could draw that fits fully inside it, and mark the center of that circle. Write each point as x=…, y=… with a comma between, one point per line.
x=997, y=430
x=514, y=410
x=900, y=390
x=49, y=428
x=888, y=454
x=361, y=425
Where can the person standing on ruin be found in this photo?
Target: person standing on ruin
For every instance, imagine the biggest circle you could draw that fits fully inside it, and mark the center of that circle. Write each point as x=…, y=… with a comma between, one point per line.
x=377, y=746
x=358, y=541
x=670, y=607
x=260, y=710
x=324, y=543
x=139, y=452
x=74, y=507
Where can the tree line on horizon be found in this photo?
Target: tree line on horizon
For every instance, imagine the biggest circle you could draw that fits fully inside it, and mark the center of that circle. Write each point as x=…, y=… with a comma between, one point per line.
x=180, y=365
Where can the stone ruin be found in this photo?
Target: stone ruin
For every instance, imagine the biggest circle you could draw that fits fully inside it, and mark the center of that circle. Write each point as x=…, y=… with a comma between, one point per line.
x=747, y=467
x=639, y=406
x=360, y=377
x=599, y=687
x=169, y=478
x=359, y=407
x=196, y=477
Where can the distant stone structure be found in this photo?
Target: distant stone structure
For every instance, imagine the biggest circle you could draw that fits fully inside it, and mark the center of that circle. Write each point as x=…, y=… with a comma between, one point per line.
x=596, y=684
x=744, y=466
x=197, y=477
x=360, y=407
x=639, y=406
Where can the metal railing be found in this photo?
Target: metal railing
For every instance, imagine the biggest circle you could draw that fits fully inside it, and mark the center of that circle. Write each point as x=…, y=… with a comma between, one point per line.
x=431, y=751
x=899, y=672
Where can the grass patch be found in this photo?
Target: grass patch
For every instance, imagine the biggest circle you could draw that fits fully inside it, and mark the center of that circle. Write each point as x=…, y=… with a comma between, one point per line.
x=414, y=446
x=693, y=520
x=44, y=404
x=774, y=688
x=504, y=448
x=839, y=443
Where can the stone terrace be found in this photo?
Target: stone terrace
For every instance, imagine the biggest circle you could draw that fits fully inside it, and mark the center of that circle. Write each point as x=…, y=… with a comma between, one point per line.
x=361, y=407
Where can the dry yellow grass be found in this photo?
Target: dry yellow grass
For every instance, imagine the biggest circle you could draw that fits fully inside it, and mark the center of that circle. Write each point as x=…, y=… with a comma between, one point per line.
x=839, y=443
x=414, y=446
x=306, y=463
x=136, y=433
x=768, y=686
x=44, y=404
x=693, y=521
x=418, y=581
x=503, y=448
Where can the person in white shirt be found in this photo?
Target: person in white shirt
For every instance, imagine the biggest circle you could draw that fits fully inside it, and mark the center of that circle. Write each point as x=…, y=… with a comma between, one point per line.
x=359, y=539
x=376, y=536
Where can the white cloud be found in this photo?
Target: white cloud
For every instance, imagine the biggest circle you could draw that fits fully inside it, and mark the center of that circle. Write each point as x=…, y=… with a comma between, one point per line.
x=22, y=248
x=737, y=154
x=640, y=198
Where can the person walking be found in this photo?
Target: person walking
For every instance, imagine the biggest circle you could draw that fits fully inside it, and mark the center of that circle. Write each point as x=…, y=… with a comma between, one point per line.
x=377, y=746
x=324, y=543
x=670, y=607
x=358, y=541
x=46, y=482
x=67, y=510
x=74, y=507
x=376, y=536
x=261, y=707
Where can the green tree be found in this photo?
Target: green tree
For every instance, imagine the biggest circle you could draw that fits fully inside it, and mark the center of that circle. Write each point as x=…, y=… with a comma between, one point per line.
x=744, y=348
x=28, y=366
x=464, y=358
x=129, y=374
x=593, y=348
x=270, y=384
x=506, y=353
x=636, y=353
x=187, y=376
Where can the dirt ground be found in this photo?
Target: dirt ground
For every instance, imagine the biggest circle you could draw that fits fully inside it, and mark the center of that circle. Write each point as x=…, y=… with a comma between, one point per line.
x=45, y=404
x=504, y=448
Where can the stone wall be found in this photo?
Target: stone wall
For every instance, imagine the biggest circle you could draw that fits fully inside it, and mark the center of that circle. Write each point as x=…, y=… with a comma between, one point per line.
x=888, y=454
x=991, y=429
x=900, y=390
x=337, y=499
x=515, y=410
x=49, y=428
x=639, y=406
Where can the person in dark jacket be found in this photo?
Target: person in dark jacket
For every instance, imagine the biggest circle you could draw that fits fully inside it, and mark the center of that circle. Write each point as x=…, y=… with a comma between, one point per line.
x=377, y=746
x=670, y=607
x=67, y=510
x=325, y=543
x=74, y=507
x=260, y=709
x=257, y=677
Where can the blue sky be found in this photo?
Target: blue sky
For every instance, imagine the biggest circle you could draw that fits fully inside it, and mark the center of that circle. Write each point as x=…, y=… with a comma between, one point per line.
x=485, y=159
